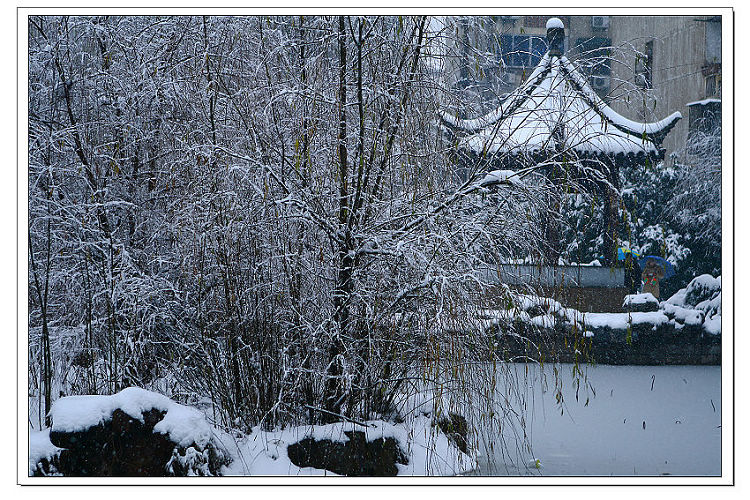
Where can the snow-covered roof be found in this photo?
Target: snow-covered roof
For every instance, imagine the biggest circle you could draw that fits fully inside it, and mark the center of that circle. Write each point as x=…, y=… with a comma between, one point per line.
x=556, y=109
x=703, y=102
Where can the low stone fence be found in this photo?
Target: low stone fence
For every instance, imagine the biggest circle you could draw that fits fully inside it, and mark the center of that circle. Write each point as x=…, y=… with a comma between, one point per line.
x=637, y=344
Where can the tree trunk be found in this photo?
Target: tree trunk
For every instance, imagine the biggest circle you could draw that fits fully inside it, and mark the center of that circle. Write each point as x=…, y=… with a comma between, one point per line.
x=341, y=294
x=611, y=215
x=46, y=355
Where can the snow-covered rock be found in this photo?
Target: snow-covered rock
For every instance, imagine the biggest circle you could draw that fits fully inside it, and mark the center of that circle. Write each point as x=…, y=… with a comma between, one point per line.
x=137, y=432
x=640, y=302
x=42, y=454
x=132, y=433
x=182, y=424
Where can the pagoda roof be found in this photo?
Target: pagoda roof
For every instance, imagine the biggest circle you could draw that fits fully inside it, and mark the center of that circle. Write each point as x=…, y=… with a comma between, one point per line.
x=555, y=109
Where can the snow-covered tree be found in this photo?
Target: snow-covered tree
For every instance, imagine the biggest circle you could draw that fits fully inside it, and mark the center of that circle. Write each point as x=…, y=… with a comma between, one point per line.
x=695, y=208
x=259, y=212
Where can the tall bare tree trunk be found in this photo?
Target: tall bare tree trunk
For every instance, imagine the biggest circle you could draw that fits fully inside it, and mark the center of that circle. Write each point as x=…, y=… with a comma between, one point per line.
x=42, y=295
x=341, y=294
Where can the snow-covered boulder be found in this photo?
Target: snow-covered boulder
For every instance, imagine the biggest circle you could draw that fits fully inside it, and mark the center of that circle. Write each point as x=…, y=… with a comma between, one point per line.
x=355, y=456
x=132, y=433
x=701, y=289
x=640, y=302
x=141, y=433
x=456, y=428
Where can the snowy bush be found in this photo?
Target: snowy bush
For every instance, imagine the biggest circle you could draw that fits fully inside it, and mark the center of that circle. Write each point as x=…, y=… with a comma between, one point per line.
x=698, y=304
x=268, y=232
x=695, y=207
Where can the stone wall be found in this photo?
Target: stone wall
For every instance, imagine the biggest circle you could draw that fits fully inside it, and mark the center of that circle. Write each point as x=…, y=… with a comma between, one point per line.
x=589, y=299
x=640, y=344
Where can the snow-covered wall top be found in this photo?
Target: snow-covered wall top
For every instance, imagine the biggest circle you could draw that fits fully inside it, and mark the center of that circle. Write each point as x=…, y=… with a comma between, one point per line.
x=703, y=102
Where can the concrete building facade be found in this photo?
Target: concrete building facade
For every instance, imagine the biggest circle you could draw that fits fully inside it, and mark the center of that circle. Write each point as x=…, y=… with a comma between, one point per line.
x=677, y=62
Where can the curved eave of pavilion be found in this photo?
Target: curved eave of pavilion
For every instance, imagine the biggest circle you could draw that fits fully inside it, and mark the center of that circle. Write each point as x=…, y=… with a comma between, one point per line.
x=653, y=131
x=507, y=104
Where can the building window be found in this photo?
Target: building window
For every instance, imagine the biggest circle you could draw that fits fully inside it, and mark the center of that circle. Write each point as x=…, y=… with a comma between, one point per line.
x=594, y=55
x=649, y=65
x=644, y=66
x=713, y=41
x=522, y=51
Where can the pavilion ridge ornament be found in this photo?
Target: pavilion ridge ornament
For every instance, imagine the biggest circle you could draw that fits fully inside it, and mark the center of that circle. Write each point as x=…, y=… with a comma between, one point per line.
x=555, y=37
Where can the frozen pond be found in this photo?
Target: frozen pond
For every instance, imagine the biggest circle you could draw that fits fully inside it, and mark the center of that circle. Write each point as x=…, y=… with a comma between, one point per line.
x=640, y=420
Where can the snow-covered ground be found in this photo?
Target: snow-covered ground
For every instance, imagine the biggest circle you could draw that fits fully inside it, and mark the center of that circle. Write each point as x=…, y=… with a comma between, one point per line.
x=642, y=420
x=265, y=453
x=428, y=450
x=626, y=420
